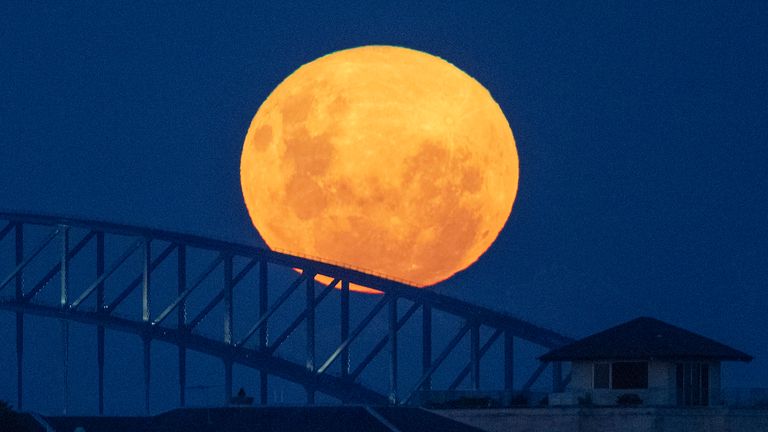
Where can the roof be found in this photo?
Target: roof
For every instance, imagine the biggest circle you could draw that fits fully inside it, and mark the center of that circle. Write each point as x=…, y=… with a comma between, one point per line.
x=645, y=339
x=283, y=419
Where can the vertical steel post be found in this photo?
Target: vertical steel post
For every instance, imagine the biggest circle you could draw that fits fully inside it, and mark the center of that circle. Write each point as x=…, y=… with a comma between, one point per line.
x=19, y=360
x=147, y=372
x=426, y=342
x=182, y=376
x=228, y=323
x=474, y=353
x=393, y=351
x=99, y=310
x=64, y=272
x=263, y=308
x=145, y=280
x=65, y=362
x=509, y=361
x=19, y=319
x=310, y=363
x=557, y=376
x=145, y=316
x=181, y=275
x=227, y=381
x=344, y=327
x=228, y=306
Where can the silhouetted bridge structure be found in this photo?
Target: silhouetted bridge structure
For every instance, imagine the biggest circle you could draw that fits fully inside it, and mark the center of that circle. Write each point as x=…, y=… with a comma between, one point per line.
x=67, y=269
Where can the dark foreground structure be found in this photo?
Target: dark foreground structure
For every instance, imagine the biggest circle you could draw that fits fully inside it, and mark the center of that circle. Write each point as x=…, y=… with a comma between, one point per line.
x=277, y=419
x=406, y=419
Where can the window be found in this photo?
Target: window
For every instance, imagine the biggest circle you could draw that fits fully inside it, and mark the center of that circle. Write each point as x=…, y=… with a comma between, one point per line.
x=620, y=375
x=629, y=375
x=602, y=375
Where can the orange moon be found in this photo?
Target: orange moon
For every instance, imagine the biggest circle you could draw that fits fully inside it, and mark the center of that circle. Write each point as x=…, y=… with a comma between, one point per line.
x=383, y=159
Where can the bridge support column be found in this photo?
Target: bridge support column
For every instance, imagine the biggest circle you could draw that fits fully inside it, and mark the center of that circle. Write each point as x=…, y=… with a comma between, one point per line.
x=19, y=360
x=100, y=361
x=509, y=361
x=228, y=306
x=344, y=327
x=557, y=376
x=393, y=351
x=65, y=362
x=474, y=354
x=181, y=275
x=147, y=264
x=147, y=372
x=227, y=381
x=426, y=342
x=19, y=319
x=182, y=376
x=145, y=316
x=99, y=310
x=64, y=273
x=311, y=334
x=263, y=310
x=228, y=326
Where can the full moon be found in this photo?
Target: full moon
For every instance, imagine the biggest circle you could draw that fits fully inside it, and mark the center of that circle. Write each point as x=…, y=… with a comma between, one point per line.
x=383, y=159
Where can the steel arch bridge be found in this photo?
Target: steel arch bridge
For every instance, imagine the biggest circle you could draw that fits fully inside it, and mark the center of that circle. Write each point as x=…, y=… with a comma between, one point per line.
x=65, y=241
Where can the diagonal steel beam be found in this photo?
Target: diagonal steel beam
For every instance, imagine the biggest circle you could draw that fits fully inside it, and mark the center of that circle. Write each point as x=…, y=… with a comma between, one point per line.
x=383, y=342
x=356, y=332
x=8, y=227
x=136, y=282
x=295, y=284
x=440, y=359
x=30, y=257
x=113, y=268
x=206, y=310
x=56, y=268
x=484, y=349
x=292, y=327
x=244, y=272
x=536, y=374
x=183, y=296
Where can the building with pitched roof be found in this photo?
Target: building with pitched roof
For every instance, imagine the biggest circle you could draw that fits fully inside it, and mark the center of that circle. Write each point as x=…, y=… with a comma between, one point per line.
x=643, y=361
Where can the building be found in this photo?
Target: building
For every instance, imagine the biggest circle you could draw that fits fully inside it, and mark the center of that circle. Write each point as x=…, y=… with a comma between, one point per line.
x=643, y=361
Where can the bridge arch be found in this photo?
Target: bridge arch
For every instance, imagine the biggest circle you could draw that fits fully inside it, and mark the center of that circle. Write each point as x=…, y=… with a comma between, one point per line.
x=71, y=238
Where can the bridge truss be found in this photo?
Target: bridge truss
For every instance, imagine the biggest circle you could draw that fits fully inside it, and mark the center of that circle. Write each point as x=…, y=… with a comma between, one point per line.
x=65, y=269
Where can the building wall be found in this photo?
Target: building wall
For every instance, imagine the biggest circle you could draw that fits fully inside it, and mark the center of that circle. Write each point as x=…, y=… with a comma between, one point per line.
x=661, y=391
x=715, y=385
x=573, y=419
x=581, y=376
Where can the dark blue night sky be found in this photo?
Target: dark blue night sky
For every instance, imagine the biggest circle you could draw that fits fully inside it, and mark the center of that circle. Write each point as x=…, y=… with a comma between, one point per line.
x=642, y=131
